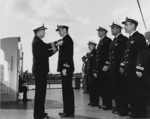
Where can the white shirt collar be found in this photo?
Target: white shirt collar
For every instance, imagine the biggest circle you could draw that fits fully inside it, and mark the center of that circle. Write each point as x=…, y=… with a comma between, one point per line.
x=147, y=42
x=118, y=35
x=64, y=36
x=103, y=37
x=133, y=33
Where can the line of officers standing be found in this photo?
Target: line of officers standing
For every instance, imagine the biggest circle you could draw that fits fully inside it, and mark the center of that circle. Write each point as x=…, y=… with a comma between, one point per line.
x=119, y=69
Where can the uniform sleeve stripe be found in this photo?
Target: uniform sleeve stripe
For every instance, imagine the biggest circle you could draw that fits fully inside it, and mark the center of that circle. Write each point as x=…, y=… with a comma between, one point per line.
x=122, y=64
x=107, y=62
x=140, y=68
x=66, y=65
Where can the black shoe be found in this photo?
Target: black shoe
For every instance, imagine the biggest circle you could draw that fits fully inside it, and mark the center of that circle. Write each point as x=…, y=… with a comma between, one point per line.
x=115, y=112
x=100, y=107
x=85, y=92
x=67, y=116
x=26, y=100
x=107, y=108
x=89, y=104
x=61, y=113
x=46, y=116
x=121, y=114
x=94, y=105
x=129, y=118
x=40, y=118
x=130, y=115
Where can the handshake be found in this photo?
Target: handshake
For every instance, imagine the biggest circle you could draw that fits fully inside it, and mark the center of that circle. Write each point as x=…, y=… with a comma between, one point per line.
x=55, y=44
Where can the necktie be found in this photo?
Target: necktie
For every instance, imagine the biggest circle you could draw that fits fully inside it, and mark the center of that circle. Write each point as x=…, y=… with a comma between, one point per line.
x=128, y=42
x=130, y=37
x=114, y=41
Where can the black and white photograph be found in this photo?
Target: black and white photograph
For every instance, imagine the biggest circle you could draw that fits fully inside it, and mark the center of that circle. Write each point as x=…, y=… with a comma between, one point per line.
x=74, y=59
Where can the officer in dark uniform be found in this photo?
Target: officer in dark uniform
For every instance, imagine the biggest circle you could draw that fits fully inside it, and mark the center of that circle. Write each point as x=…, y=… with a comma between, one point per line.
x=143, y=64
x=116, y=52
x=88, y=85
x=93, y=87
x=66, y=68
x=41, y=51
x=102, y=56
x=84, y=74
x=136, y=86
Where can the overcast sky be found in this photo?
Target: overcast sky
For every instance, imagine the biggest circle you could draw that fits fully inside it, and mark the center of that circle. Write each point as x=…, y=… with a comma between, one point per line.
x=18, y=18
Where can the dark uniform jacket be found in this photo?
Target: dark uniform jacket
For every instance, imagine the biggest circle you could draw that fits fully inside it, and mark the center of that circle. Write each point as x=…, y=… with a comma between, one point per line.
x=84, y=67
x=90, y=61
x=116, y=52
x=143, y=63
x=102, y=54
x=135, y=45
x=143, y=66
x=65, y=58
x=41, y=51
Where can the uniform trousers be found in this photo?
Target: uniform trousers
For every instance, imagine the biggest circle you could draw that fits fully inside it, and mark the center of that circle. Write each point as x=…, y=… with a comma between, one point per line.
x=107, y=89
x=137, y=95
x=67, y=94
x=84, y=82
x=93, y=91
x=120, y=93
x=40, y=94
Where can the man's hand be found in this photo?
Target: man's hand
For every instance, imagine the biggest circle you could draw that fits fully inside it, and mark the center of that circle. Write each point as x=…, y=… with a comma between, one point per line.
x=121, y=70
x=64, y=72
x=53, y=44
x=95, y=75
x=105, y=68
x=59, y=43
x=54, y=49
x=139, y=74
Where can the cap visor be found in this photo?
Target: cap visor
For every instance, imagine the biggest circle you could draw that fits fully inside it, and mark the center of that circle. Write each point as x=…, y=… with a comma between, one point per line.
x=91, y=44
x=124, y=22
x=116, y=26
x=112, y=25
x=57, y=29
x=99, y=29
x=43, y=29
